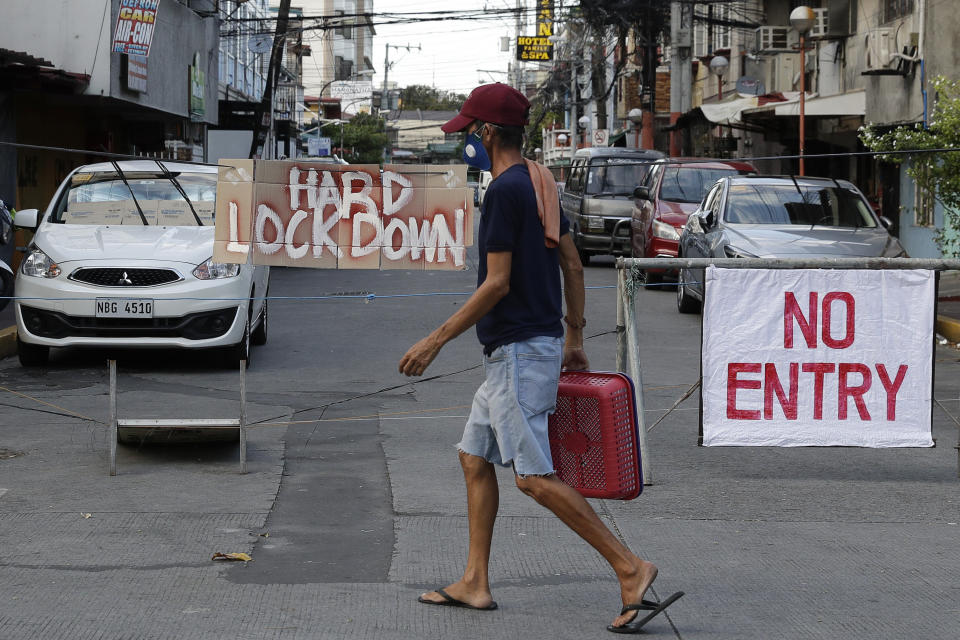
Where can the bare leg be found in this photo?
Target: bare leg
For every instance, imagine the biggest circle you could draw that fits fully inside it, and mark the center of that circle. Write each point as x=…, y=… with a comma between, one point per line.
x=483, y=500
x=635, y=575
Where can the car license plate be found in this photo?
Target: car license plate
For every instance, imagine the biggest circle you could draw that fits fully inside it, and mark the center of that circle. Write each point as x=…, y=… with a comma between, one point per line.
x=124, y=308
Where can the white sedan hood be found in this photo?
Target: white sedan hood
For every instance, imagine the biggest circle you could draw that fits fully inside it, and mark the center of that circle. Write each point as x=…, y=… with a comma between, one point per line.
x=69, y=242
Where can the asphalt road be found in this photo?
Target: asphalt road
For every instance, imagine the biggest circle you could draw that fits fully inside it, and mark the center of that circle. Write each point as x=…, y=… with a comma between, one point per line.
x=354, y=504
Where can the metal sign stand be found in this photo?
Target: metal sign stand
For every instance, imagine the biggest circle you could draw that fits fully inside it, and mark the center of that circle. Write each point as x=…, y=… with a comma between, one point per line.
x=177, y=423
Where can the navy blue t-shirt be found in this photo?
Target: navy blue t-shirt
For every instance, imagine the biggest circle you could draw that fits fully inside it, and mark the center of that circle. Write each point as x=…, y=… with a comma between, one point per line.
x=509, y=222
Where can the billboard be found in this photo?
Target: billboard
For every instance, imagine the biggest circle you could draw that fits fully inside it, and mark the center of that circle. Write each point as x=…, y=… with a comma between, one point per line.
x=355, y=95
x=135, y=22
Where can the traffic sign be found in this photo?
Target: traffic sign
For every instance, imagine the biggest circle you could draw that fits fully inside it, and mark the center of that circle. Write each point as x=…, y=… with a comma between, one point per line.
x=601, y=137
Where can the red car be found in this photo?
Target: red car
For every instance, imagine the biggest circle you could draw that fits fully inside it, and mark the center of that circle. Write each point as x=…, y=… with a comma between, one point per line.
x=672, y=191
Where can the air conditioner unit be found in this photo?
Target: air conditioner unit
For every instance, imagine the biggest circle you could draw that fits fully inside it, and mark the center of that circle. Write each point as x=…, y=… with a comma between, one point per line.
x=879, y=48
x=779, y=72
x=821, y=28
x=772, y=39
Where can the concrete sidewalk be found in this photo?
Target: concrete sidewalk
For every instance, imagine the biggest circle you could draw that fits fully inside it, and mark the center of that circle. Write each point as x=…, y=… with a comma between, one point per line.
x=948, y=306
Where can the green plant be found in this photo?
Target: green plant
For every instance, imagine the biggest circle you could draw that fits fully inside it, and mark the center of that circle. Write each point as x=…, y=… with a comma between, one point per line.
x=936, y=174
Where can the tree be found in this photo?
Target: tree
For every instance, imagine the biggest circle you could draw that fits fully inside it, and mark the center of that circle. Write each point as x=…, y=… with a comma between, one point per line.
x=420, y=96
x=937, y=175
x=363, y=138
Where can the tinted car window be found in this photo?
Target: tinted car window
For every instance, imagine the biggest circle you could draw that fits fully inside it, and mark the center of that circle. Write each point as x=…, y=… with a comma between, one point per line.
x=690, y=184
x=616, y=176
x=797, y=204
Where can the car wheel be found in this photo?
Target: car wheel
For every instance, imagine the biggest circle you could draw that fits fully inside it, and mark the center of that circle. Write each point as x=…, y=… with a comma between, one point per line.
x=259, y=335
x=584, y=257
x=32, y=355
x=685, y=302
x=241, y=351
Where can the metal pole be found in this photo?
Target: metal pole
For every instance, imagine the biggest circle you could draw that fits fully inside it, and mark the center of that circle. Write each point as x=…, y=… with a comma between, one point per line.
x=803, y=90
x=934, y=264
x=633, y=364
x=112, y=431
x=243, y=416
x=621, y=337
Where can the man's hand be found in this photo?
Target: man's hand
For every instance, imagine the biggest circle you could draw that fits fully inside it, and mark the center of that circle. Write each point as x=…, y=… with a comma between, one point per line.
x=419, y=357
x=574, y=359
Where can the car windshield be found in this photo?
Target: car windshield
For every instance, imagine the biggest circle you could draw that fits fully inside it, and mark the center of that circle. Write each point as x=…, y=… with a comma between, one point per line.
x=800, y=204
x=617, y=176
x=102, y=198
x=690, y=184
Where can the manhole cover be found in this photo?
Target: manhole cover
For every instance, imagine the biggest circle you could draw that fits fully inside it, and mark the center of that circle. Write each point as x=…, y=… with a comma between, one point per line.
x=6, y=454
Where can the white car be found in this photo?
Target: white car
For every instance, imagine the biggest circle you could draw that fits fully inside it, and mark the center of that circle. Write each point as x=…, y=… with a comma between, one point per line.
x=123, y=257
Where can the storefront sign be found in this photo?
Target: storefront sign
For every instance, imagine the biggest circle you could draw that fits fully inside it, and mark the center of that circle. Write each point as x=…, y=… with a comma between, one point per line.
x=135, y=23
x=137, y=73
x=534, y=48
x=545, y=18
x=197, y=88
x=328, y=216
x=796, y=358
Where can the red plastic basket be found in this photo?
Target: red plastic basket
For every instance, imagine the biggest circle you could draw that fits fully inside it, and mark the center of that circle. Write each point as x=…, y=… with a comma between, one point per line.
x=593, y=435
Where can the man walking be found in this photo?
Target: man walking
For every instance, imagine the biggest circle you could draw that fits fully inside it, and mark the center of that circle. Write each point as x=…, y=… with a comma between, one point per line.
x=524, y=244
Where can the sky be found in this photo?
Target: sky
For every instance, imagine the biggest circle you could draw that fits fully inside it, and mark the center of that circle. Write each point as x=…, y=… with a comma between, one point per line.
x=451, y=51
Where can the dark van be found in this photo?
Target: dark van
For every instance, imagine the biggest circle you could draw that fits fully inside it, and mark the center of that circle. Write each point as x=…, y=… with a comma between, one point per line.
x=598, y=197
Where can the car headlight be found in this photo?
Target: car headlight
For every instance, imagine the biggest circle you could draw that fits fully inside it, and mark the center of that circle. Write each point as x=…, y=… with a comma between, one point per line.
x=593, y=223
x=664, y=230
x=211, y=270
x=733, y=252
x=39, y=265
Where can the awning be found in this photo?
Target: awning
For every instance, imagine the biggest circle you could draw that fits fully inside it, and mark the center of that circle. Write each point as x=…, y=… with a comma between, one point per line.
x=853, y=103
x=729, y=112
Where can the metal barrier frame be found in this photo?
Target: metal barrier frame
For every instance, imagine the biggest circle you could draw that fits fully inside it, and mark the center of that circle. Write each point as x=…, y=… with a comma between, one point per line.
x=628, y=275
x=176, y=423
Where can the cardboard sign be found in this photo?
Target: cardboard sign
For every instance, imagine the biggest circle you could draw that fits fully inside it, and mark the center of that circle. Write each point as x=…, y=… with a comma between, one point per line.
x=817, y=358
x=135, y=23
x=329, y=216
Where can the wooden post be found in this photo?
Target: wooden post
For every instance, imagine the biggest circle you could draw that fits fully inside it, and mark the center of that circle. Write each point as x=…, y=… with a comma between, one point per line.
x=112, y=430
x=243, y=416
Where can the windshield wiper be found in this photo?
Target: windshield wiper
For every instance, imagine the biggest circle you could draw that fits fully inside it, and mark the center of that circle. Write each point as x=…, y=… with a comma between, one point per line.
x=116, y=167
x=172, y=178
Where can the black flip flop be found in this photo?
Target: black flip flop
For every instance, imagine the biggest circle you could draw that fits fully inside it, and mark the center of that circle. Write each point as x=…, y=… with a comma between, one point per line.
x=655, y=609
x=450, y=601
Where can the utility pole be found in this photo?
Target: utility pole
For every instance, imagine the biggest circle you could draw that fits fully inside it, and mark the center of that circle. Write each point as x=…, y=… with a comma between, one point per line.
x=681, y=41
x=384, y=98
x=517, y=63
x=265, y=108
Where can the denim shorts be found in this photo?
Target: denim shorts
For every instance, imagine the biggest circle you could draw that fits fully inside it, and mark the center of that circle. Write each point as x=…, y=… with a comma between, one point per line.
x=508, y=420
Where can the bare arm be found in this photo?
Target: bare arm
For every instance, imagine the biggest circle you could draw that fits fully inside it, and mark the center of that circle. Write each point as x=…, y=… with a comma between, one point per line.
x=494, y=288
x=574, y=357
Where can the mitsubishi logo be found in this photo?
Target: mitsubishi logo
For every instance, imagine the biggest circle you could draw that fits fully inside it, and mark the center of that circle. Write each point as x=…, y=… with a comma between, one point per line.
x=125, y=280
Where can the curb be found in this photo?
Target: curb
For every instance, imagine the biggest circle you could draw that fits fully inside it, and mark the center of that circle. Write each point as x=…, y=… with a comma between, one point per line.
x=8, y=341
x=949, y=328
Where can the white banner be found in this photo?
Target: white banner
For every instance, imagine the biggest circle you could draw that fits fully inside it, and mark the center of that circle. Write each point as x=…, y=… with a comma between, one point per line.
x=796, y=358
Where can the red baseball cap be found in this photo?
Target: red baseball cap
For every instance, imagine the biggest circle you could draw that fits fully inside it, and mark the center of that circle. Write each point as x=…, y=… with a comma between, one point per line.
x=495, y=103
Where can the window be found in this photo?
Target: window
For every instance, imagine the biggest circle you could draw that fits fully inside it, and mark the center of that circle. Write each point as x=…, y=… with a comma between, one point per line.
x=345, y=30
x=721, y=32
x=893, y=9
x=804, y=205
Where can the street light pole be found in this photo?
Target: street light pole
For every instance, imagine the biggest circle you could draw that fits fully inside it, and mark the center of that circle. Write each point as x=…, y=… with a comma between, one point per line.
x=802, y=18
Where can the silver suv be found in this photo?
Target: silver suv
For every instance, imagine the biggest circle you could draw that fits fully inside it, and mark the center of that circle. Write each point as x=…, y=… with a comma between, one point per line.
x=598, y=197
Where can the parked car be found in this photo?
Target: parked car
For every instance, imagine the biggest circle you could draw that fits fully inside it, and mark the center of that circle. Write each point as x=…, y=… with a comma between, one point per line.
x=7, y=245
x=123, y=257
x=473, y=184
x=671, y=192
x=598, y=197
x=780, y=217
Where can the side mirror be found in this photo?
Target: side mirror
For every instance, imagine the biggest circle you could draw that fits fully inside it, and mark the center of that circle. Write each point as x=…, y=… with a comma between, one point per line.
x=886, y=222
x=641, y=193
x=26, y=218
x=706, y=218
